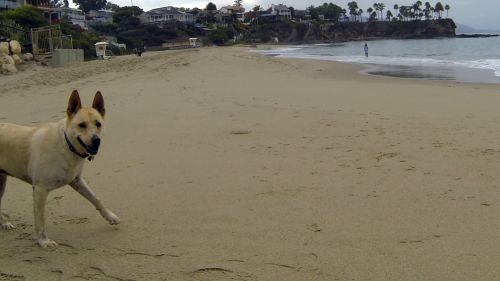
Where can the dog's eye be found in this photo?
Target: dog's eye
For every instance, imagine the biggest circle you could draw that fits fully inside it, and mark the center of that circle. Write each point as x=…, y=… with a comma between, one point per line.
x=98, y=124
x=82, y=125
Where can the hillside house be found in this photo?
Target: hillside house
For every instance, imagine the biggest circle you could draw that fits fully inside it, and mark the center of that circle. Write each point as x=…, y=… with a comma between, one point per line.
x=167, y=14
x=12, y=4
x=281, y=11
x=234, y=10
x=100, y=16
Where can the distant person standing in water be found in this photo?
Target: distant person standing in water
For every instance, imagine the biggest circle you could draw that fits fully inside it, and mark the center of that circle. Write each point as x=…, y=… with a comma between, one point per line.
x=366, y=50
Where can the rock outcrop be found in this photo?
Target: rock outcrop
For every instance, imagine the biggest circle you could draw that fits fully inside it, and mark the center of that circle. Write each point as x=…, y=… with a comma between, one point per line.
x=290, y=32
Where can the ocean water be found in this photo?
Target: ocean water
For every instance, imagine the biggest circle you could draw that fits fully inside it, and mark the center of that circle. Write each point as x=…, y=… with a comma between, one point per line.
x=460, y=59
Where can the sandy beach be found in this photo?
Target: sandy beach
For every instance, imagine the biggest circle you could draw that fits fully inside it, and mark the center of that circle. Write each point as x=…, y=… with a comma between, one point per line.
x=226, y=165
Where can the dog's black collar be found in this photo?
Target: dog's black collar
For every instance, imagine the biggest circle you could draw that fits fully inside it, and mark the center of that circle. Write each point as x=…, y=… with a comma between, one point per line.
x=73, y=149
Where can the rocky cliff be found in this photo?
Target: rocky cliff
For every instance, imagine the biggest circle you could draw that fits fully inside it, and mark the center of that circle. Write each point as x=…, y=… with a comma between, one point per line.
x=289, y=32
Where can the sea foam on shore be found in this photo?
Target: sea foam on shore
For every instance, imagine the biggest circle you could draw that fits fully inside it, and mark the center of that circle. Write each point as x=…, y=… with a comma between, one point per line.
x=429, y=58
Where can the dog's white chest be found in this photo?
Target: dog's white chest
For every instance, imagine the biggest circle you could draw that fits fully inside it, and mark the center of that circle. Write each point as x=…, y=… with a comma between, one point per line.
x=55, y=175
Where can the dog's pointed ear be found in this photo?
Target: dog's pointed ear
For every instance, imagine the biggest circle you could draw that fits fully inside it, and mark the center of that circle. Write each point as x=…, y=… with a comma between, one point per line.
x=74, y=104
x=98, y=103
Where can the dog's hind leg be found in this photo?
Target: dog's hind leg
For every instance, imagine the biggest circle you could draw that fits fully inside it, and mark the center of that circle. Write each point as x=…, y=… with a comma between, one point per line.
x=82, y=187
x=4, y=225
x=39, y=199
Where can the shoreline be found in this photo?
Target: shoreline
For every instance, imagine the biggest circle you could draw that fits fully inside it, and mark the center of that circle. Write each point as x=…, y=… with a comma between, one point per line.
x=452, y=71
x=446, y=73
x=227, y=165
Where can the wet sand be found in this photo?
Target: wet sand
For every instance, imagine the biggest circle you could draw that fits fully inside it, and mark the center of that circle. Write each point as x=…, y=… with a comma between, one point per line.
x=226, y=165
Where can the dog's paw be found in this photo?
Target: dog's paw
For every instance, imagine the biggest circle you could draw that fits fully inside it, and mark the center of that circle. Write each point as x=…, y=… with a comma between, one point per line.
x=6, y=226
x=111, y=218
x=46, y=243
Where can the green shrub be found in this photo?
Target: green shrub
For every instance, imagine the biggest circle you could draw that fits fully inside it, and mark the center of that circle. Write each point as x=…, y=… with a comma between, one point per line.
x=27, y=16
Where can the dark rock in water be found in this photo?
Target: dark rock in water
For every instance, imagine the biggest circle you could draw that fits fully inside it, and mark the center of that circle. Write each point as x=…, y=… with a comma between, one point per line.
x=476, y=35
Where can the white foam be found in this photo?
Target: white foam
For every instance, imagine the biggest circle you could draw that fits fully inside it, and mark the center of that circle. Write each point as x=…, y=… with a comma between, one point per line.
x=300, y=52
x=492, y=64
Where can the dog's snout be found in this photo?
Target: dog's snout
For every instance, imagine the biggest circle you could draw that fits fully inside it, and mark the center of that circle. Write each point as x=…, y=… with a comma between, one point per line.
x=94, y=146
x=96, y=141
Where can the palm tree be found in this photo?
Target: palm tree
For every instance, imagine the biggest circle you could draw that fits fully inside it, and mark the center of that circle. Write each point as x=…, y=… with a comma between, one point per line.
x=427, y=10
x=439, y=9
x=389, y=15
x=353, y=9
x=360, y=14
x=447, y=8
x=379, y=7
x=369, y=11
x=418, y=10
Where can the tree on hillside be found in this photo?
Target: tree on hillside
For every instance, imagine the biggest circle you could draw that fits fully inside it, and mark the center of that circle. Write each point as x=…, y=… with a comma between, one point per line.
x=211, y=7
x=389, y=15
x=417, y=10
x=406, y=12
x=27, y=16
x=313, y=12
x=369, y=11
x=353, y=9
x=380, y=8
x=427, y=11
x=111, y=6
x=439, y=9
x=447, y=8
x=360, y=14
x=87, y=5
x=127, y=16
x=330, y=11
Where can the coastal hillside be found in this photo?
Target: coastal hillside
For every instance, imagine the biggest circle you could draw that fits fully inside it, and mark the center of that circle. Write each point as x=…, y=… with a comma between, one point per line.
x=344, y=31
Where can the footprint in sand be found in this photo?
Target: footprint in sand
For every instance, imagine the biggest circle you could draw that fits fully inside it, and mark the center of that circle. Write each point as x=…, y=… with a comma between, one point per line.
x=11, y=277
x=386, y=155
x=77, y=220
x=220, y=274
x=96, y=273
x=240, y=132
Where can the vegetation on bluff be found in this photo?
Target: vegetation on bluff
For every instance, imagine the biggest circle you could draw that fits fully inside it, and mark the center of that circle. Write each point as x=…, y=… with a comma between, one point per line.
x=327, y=22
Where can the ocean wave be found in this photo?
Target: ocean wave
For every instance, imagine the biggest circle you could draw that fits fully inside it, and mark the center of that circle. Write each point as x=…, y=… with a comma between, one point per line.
x=492, y=64
x=298, y=53
x=327, y=52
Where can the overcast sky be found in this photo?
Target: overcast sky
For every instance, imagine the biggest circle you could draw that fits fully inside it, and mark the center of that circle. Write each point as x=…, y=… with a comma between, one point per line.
x=484, y=14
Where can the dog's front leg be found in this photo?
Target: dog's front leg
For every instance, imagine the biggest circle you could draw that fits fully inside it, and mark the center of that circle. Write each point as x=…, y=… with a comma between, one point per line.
x=4, y=225
x=82, y=187
x=39, y=199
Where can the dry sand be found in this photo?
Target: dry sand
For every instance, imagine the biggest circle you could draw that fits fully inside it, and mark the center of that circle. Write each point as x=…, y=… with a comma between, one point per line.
x=224, y=165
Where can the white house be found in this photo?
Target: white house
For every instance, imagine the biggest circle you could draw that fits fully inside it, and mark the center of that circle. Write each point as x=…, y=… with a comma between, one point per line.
x=239, y=11
x=166, y=14
x=101, y=16
x=75, y=16
x=281, y=11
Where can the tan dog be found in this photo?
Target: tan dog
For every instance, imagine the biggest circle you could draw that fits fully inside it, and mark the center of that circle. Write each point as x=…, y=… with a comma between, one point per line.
x=51, y=156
